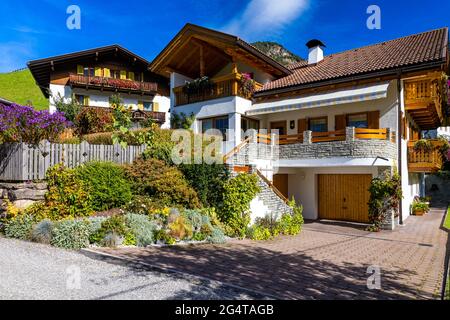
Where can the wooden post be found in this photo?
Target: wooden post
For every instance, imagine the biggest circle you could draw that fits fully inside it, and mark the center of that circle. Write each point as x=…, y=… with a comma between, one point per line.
x=202, y=62
x=234, y=84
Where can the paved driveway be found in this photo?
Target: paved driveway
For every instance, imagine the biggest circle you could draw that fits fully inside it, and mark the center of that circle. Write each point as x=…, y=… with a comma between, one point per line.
x=326, y=261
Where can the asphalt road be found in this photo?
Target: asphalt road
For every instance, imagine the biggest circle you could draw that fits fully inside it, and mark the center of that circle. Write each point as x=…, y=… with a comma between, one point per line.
x=34, y=271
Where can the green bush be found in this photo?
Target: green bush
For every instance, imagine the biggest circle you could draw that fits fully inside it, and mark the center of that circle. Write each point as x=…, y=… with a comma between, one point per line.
x=259, y=233
x=161, y=146
x=107, y=183
x=143, y=205
x=235, y=208
x=112, y=225
x=207, y=180
x=95, y=223
x=385, y=195
x=154, y=178
x=217, y=236
x=67, y=196
x=20, y=227
x=70, y=234
x=142, y=228
x=42, y=232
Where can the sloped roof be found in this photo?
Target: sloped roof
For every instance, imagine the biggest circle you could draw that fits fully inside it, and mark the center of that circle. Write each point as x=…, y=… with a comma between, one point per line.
x=422, y=48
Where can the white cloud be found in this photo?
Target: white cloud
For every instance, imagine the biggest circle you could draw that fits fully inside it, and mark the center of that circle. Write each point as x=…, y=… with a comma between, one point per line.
x=14, y=56
x=265, y=18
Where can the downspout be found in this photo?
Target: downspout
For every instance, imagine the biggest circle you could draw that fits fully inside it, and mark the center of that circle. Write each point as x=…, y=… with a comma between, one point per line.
x=399, y=142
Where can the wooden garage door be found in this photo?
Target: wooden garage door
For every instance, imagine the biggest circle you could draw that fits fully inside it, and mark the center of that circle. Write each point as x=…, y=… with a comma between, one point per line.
x=344, y=197
x=280, y=181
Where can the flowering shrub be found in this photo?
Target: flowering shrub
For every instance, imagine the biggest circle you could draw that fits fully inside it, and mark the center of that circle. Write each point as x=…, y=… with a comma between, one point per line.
x=93, y=120
x=24, y=124
x=247, y=85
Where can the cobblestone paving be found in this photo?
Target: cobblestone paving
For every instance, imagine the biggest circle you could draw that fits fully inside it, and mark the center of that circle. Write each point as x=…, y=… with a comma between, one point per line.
x=327, y=260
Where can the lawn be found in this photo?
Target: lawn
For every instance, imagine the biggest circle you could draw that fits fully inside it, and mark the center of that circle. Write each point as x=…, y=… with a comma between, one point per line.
x=20, y=87
x=447, y=220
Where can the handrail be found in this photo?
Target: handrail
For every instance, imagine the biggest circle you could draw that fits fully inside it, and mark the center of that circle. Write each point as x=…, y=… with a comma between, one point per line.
x=272, y=186
x=361, y=133
x=338, y=135
x=422, y=160
x=236, y=149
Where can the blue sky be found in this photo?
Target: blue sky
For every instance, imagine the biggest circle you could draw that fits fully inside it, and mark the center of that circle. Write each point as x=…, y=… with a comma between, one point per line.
x=37, y=29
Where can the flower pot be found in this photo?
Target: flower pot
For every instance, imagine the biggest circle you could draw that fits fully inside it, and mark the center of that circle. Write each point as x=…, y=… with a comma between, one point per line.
x=419, y=212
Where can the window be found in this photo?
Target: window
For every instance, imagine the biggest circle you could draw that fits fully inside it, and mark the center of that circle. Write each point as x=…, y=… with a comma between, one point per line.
x=357, y=120
x=216, y=123
x=148, y=106
x=82, y=99
x=88, y=72
x=318, y=125
x=247, y=123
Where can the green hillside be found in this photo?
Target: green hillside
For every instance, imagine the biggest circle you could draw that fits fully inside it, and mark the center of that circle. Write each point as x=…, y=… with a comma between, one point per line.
x=20, y=87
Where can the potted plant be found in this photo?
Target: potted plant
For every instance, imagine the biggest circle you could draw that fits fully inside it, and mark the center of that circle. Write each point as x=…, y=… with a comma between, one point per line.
x=420, y=208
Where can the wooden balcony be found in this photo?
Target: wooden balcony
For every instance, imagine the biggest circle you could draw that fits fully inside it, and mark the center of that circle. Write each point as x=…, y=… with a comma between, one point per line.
x=425, y=161
x=424, y=101
x=112, y=84
x=225, y=86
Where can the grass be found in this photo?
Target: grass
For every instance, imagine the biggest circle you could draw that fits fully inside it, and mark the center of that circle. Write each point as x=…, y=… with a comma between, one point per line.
x=447, y=220
x=20, y=87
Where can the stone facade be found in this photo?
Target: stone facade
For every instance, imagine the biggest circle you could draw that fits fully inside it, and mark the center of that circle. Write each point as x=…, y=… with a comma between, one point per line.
x=275, y=204
x=22, y=195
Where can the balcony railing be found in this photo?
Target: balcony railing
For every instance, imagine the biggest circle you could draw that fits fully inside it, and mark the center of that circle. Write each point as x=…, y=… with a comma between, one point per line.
x=425, y=160
x=338, y=135
x=112, y=83
x=225, y=86
x=423, y=101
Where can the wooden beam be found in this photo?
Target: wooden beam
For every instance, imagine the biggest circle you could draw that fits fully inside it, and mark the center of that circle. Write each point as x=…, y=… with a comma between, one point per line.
x=202, y=62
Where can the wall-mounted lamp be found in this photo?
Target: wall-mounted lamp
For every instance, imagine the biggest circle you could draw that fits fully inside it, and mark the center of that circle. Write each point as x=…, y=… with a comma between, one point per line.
x=292, y=124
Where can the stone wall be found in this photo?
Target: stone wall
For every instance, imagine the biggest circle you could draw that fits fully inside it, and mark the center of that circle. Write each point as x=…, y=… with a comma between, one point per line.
x=22, y=195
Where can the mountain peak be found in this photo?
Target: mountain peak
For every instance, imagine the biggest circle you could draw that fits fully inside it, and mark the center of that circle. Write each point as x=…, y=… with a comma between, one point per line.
x=277, y=52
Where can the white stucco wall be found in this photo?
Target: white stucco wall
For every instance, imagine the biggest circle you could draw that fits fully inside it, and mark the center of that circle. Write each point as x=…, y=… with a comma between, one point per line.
x=303, y=185
x=101, y=99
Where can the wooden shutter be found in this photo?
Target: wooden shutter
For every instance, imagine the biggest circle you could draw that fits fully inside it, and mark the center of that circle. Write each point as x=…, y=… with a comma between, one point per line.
x=98, y=72
x=123, y=74
x=373, y=120
x=404, y=127
x=107, y=73
x=131, y=75
x=80, y=69
x=156, y=106
x=86, y=100
x=142, y=77
x=140, y=105
x=302, y=125
x=340, y=122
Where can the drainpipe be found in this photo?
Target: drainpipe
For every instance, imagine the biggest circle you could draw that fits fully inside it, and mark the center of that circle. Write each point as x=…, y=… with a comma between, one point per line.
x=399, y=142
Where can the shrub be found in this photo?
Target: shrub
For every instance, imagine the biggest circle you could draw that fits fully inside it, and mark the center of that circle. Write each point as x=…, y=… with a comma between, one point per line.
x=207, y=180
x=234, y=211
x=107, y=184
x=24, y=124
x=20, y=227
x=154, y=178
x=162, y=235
x=42, y=232
x=217, y=236
x=70, y=108
x=95, y=223
x=142, y=228
x=385, y=195
x=259, y=233
x=143, y=205
x=67, y=195
x=160, y=147
x=113, y=228
x=418, y=206
x=180, y=229
x=93, y=120
x=195, y=219
x=113, y=240
x=70, y=234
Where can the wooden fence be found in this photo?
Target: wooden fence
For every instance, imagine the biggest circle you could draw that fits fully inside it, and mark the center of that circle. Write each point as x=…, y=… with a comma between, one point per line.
x=22, y=162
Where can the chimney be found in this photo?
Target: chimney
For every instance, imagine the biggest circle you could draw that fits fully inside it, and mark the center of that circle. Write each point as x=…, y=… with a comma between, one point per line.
x=315, y=51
